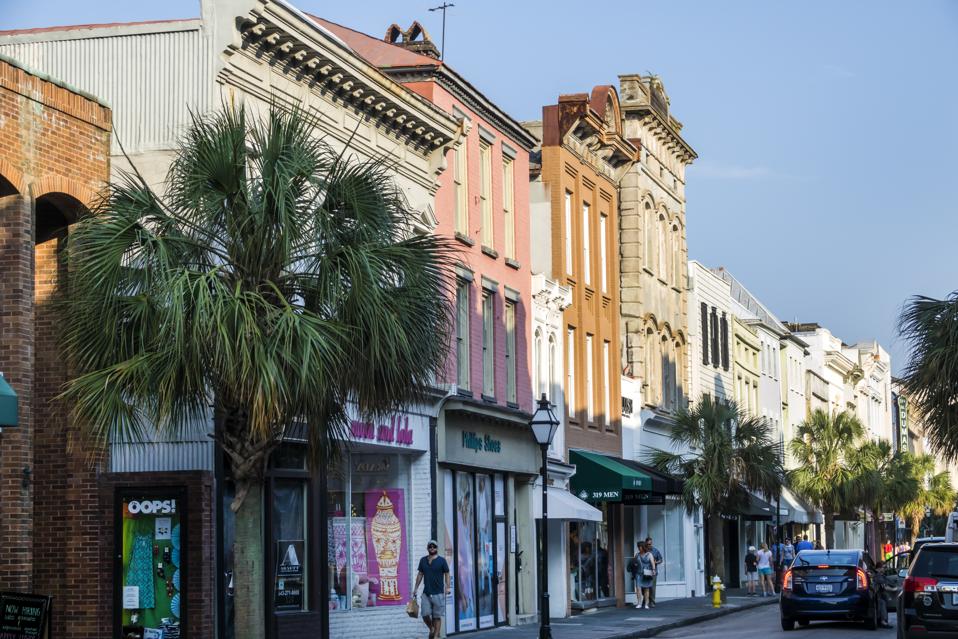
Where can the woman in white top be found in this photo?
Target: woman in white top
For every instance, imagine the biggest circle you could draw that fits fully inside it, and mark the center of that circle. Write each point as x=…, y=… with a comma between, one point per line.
x=765, y=572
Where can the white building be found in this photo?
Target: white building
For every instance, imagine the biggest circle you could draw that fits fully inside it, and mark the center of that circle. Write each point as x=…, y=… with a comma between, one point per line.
x=710, y=312
x=872, y=392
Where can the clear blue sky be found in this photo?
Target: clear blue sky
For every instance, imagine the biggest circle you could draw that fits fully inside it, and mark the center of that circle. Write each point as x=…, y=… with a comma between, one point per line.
x=826, y=131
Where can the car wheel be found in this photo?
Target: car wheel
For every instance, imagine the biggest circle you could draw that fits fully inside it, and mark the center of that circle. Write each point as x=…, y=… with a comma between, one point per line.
x=803, y=622
x=788, y=624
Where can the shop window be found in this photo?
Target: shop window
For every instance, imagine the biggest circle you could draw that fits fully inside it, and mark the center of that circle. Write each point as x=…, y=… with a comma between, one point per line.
x=666, y=527
x=475, y=545
x=369, y=558
x=151, y=538
x=591, y=569
x=288, y=501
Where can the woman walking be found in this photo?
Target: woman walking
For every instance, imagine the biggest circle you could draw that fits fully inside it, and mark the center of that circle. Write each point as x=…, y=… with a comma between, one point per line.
x=646, y=574
x=765, y=571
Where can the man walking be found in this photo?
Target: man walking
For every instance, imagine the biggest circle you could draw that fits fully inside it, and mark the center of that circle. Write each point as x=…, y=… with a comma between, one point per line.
x=658, y=560
x=434, y=574
x=804, y=544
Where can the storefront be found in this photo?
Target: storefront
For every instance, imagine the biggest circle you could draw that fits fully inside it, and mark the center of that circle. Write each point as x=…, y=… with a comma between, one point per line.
x=751, y=525
x=488, y=461
x=798, y=518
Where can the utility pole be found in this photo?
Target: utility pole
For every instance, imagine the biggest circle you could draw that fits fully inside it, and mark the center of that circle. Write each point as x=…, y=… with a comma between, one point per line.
x=442, y=45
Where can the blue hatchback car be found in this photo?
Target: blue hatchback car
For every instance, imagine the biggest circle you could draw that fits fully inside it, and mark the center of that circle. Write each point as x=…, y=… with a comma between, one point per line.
x=833, y=585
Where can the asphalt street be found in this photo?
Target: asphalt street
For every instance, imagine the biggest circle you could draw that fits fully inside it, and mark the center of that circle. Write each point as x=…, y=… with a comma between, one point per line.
x=763, y=623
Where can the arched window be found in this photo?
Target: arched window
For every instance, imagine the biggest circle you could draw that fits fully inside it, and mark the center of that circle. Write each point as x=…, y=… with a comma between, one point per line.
x=676, y=236
x=662, y=247
x=665, y=372
x=651, y=355
x=537, y=364
x=648, y=225
x=553, y=378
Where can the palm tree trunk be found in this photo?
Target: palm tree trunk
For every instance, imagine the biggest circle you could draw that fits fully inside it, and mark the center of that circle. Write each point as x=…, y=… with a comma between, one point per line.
x=716, y=548
x=829, y=527
x=915, y=527
x=248, y=559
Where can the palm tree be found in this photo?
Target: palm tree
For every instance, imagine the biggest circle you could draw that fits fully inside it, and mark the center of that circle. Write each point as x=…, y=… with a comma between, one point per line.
x=275, y=282
x=821, y=450
x=931, y=375
x=882, y=481
x=935, y=493
x=729, y=454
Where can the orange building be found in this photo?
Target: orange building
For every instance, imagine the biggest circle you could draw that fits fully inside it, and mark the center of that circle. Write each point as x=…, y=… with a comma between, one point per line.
x=583, y=157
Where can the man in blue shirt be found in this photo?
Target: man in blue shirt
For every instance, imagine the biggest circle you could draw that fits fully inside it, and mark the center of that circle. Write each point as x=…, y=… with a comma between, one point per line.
x=434, y=573
x=659, y=560
x=804, y=544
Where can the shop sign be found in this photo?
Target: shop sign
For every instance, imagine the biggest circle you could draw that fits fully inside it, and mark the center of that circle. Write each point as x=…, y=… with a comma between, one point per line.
x=600, y=495
x=394, y=433
x=24, y=615
x=474, y=442
x=632, y=498
x=289, y=574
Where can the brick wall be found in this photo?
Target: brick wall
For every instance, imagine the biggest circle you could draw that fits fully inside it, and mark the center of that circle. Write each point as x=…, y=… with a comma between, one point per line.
x=54, y=157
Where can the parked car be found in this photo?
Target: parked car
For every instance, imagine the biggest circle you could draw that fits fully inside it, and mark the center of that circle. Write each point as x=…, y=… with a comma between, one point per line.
x=833, y=585
x=928, y=602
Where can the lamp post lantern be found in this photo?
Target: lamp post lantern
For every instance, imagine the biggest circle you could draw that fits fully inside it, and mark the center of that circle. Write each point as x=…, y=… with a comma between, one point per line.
x=544, y=424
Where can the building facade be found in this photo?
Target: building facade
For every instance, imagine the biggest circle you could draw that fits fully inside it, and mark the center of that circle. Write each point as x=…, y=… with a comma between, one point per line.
x=54, y=160
x=710, y=313
x=654, y=324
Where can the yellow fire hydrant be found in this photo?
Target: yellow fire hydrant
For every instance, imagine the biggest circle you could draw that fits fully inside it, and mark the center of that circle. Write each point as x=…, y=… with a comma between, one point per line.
x=717, y=588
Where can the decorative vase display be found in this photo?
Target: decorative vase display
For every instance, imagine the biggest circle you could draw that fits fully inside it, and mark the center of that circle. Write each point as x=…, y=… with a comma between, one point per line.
x=387, y=543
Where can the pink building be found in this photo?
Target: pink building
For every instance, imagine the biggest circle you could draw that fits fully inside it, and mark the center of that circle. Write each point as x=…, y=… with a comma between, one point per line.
x=485, y=450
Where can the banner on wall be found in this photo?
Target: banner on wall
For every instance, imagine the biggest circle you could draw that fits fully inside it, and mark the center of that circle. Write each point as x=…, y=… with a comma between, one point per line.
x=387, y=548
x=465, y=547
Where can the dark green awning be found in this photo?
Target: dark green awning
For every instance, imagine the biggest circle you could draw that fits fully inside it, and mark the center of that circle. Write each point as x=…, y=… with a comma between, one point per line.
x=599, y=477
x=8, y=404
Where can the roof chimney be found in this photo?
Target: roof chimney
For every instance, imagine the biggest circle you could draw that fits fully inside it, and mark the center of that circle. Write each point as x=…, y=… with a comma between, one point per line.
x=415, y=38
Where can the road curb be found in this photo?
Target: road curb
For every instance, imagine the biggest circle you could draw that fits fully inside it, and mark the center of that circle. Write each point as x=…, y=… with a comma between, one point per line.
x=689, y=621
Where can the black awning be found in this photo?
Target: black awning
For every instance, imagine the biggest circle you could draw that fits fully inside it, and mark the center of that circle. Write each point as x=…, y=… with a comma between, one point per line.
x=754, y=509
x=662, y=483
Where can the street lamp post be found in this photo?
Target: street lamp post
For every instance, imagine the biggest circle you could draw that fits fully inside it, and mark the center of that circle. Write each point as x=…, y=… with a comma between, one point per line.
x=544, y=424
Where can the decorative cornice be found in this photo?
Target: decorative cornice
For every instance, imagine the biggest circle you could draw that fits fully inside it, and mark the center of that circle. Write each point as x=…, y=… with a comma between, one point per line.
x=392, y=107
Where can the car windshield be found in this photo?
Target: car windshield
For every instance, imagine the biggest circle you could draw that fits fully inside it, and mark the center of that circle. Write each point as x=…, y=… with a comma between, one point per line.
x=936, y=562
x=826, y=558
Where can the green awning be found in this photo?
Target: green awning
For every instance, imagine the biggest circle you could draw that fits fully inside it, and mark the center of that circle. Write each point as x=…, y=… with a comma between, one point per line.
x=8, y=404
x=602, y=478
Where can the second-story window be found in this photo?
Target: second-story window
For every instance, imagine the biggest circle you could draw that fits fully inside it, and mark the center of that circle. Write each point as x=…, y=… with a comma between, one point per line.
x=510, y=318
x=461, y=180
x=508, y=206
x=488, y=344
x=586, y=242
x=462, y=335
x=603, y=252
x=485, y=192
x=568, y=233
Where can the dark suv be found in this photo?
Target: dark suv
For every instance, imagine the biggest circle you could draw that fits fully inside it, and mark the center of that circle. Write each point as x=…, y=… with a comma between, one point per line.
x=928, y=603
x=834, y=585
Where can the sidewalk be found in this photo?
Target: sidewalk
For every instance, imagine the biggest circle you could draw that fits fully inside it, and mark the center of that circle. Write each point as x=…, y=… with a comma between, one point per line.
x=628, y=623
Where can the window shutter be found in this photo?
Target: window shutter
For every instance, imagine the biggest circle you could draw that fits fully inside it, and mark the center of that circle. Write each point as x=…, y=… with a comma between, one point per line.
x=724, y=342
x=715, y=337
x=705, y=333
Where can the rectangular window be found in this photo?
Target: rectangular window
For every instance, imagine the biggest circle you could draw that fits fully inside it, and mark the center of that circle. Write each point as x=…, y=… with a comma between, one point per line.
x=704, y=312
x=570, y=373
x=508, y=206
x=715, y=337
x=603, y=252
x=589, y=380
x=289, y=502
x=568, y=233
x=461, y=180
x=462, y=335
x=724, y=338
x=586, y=248
x=485, y=192
x=606, y=383
x=510, y=317
x=488, y=344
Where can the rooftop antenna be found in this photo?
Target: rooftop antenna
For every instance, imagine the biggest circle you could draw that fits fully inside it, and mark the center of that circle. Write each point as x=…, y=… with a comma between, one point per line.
x=442, y=45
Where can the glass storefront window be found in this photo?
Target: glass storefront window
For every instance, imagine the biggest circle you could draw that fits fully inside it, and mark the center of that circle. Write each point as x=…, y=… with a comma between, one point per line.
x=591, y=569
x=289, y=534
x=666, y=527
x=151, y=582
x=369, y=555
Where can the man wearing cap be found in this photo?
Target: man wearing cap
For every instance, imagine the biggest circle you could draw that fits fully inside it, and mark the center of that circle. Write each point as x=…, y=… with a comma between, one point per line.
x=433, y=573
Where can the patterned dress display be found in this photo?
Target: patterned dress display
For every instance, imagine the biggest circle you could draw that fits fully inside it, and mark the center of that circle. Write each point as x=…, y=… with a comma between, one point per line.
x=140, y=573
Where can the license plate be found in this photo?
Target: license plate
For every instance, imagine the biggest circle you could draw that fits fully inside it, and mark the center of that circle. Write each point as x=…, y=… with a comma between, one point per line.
x=823, y=588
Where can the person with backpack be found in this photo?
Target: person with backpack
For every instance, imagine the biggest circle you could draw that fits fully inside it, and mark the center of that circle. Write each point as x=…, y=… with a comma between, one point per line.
x=751, y=570
x=646, y=574
x=633, y=569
